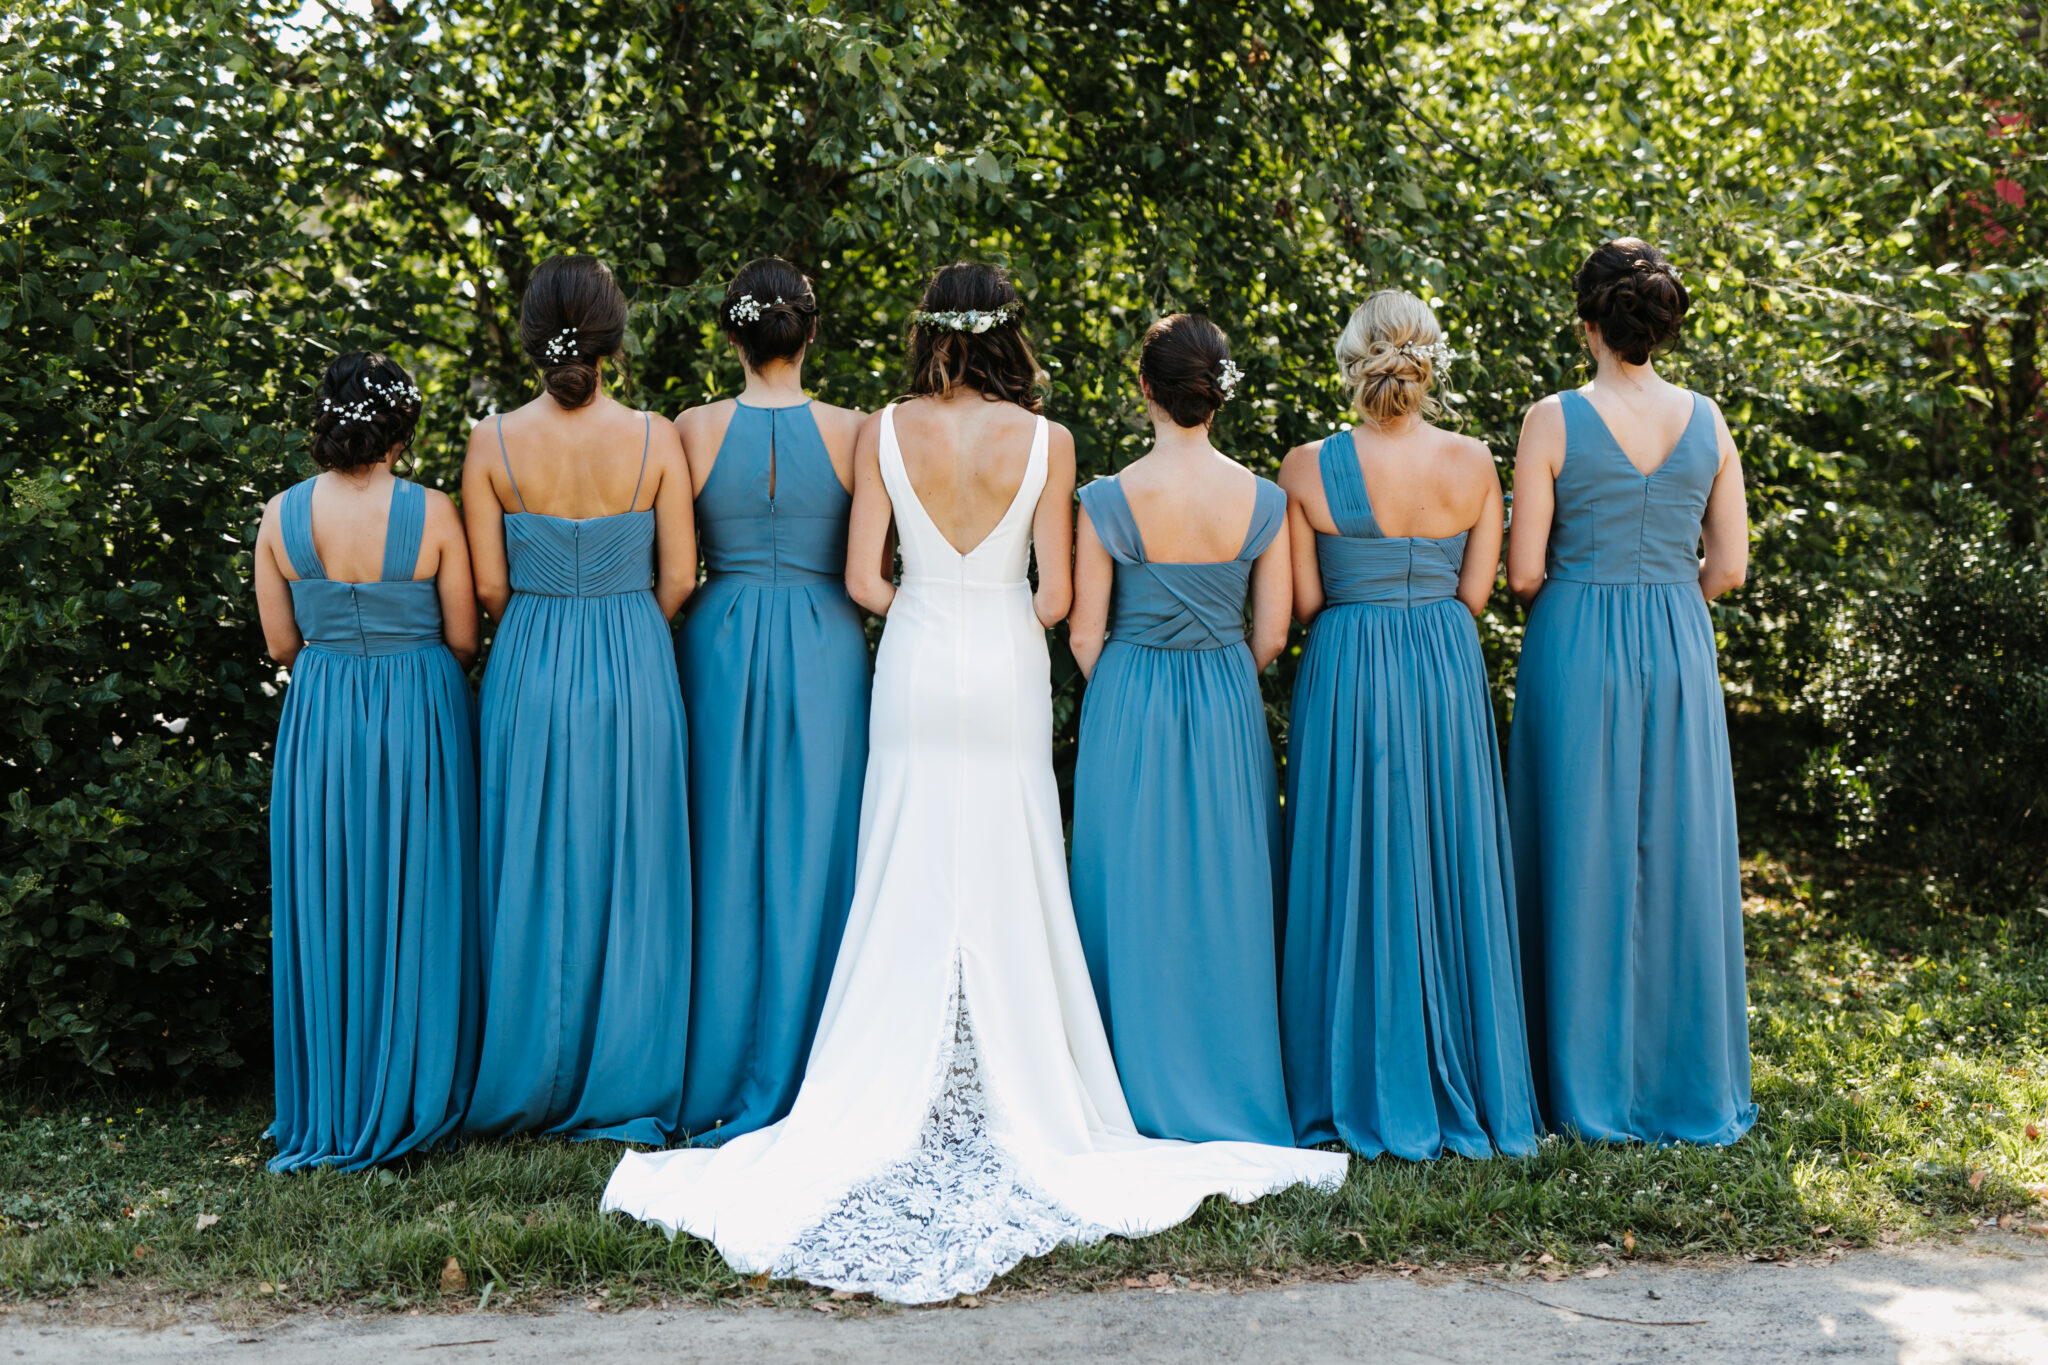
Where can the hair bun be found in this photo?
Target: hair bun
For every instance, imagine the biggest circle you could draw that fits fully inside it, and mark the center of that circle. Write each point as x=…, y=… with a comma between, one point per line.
x=1628, y=290
x=1186, y=364
x=770, y=309
x=571, y=317
x=365, y=407
x=1389, y=355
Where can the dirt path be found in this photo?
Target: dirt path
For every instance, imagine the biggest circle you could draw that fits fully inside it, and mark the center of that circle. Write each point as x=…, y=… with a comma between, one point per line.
x=1984, y=1301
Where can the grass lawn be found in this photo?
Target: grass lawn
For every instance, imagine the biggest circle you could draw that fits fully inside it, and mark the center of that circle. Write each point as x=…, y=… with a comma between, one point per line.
x=1901, y=1064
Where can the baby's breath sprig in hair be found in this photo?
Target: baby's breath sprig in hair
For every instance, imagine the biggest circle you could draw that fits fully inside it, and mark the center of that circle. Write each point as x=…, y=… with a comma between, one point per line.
x=561, y=348
x=1437, y=353
x=972, y=320
x=1227, y=376
x=748, y=308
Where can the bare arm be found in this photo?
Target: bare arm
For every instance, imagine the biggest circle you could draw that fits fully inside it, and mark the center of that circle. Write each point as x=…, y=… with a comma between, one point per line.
x=675, y=521
x=1052, y=530
x=1538, y=459
x=867, y=534
x=1094, y=582
x=1273, y=596
x=1725, y=529
x=273, y=590
x=1301, y=478
x=484, y=516
x=1482, y=546
x=452, y=581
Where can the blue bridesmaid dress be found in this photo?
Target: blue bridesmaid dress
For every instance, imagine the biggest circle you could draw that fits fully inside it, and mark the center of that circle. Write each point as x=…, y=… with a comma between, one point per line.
x=1400, y=995
x=1624, y=807
x=375, y=973
x=1176, y=847
x=585, y=848
x=774, y=663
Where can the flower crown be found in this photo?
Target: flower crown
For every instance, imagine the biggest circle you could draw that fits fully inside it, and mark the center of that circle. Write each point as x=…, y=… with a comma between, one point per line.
x=1227, y=375
x=969, y=320
x=397, y=396
x=562, y=347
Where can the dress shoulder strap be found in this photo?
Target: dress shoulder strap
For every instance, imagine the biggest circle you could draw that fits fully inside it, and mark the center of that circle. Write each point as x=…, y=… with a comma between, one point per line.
x=646, y=436
x=295, y=520
x=1110, y=513
x=506, y=456
x=403, y=530
x=1344, y=487
x=1269, y=514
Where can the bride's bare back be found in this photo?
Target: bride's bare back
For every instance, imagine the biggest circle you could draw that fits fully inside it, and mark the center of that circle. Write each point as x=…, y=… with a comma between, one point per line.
x=966, y=457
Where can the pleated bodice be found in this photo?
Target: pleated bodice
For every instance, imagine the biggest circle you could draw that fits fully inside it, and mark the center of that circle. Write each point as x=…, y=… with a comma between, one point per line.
x=1178, y=606
x=773, y=510
x=1361, y=563
x=550, y=556
x=395, y=615
x=1614, y=524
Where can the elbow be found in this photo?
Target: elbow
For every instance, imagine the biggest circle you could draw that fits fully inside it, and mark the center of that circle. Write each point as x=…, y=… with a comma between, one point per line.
x=1714, y=583
x=1524, y=586
x=869, y=591
x=1475, y=605
x=1268, y=647
x=1052, y=605
x=283, y=655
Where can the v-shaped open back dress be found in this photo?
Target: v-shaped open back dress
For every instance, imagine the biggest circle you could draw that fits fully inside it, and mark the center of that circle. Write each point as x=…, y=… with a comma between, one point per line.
x=1624, y=806
x=1177, y=858
x=375, y=971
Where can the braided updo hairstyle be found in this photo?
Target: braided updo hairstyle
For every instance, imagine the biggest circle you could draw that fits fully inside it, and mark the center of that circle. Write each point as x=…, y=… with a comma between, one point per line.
x=1632, y=294
x=1182, y=364
x=996, y=363
x=365, y=408
x=1387, y=356
x=571, y=317
x=770, y=311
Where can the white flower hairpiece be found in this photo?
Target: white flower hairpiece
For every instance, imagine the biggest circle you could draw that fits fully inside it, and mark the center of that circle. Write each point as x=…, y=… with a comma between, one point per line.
x=395, y=396
x=1437, y=353
x=969, y=320
x=562, y=346
x=749, y=308
x=1227, y=375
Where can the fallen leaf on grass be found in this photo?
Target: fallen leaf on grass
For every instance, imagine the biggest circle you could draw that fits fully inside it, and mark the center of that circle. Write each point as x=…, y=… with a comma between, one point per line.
x=204, y=1221
x=823, y=1306
x=533, y=1220
x=1628, y=1243
x=266, y=1289
x=2033, y=1132
x=1546, y=1259
x=1133, y=1282
x=1158, y=1279
x=1599, y=1272
x=592, y=1305
x=1976, y=1179
x=141, y=1250
x=1824, y=1229
x=759, y=1282
x=844, y=1294
x=453, y=1281
x=448, y=1207
x=969, y=1301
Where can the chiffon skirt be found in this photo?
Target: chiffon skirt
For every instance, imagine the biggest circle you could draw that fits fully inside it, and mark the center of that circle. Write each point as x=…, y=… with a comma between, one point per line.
x=585, y=866
x=1630, y=879
x=775, y=681
x=1176, y=882
x=375, y=975
x=1400, y=1000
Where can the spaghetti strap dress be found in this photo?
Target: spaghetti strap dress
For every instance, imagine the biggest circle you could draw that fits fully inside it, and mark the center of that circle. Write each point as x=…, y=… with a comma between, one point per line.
x=1624, y=806
x=1177, y=872
x=1400, y=994
x=774, y=665
x=585, y=848
x=375, y=971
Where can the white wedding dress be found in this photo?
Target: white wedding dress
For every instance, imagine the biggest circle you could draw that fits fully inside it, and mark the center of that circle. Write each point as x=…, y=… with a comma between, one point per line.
x=960, y=1110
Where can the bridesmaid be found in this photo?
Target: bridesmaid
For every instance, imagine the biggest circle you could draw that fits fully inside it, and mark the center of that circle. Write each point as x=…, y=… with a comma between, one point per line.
x=1623, y=801
x=1176, y=863
x=362, y=582
x=774, y=665
x=1400, y=998
x=579, y=519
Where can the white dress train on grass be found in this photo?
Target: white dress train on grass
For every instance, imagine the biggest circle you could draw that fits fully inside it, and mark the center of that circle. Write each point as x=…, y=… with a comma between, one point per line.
x=960, y=1110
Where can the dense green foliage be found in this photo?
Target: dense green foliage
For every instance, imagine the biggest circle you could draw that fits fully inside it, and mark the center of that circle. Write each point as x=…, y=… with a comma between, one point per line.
x=198, y=205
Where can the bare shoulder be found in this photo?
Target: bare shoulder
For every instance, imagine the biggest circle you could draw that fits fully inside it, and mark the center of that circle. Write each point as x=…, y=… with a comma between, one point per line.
x=1059, y=453
x=831, y=418
x=1301, y=468
x=690, y=422
x=1059, y=438
x=441, y=510
x=1469, y=455
x=1544, y=415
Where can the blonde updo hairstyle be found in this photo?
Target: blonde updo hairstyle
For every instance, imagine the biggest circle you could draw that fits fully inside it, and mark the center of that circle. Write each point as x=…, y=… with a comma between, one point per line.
x=1384, y=357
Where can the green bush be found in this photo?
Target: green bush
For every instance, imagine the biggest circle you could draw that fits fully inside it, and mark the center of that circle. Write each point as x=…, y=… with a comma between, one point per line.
x=1938, y=691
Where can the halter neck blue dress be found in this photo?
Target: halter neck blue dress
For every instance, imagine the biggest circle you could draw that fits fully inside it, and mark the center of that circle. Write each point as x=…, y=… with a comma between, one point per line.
x=585, y=849
x=1624, y=807
x=1400, y=995
x=375, y=974
x=774, y=664
x=1176, y=845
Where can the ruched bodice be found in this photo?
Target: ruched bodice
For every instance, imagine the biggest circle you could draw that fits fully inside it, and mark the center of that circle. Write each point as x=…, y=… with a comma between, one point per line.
x=1363, y=564
x=773, y=510
x=1178, y=606
x=596, y=557
x=1616, y=525
x=394, y=615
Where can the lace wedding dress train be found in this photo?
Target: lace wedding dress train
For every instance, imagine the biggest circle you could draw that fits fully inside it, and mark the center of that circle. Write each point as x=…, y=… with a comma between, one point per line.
x=960, y=1110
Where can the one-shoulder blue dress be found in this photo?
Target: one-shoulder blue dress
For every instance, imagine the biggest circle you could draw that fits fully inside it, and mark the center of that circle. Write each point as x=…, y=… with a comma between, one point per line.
x=375, y=971
x=1176, y=848
x=1400, y=996
x=1624, y=807
x=775, y=675
x=585, y=849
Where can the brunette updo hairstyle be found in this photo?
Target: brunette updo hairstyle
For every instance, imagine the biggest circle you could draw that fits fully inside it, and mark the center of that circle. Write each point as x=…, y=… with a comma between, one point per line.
x=1385, y=357
x=1632, y=294
x=997, y=363
x=572, y=316
x=782, y=315
x=1182, y=364
x=365, y=408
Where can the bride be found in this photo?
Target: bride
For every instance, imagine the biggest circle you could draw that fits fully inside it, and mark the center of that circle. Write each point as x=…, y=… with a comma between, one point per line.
x=960, y=1110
